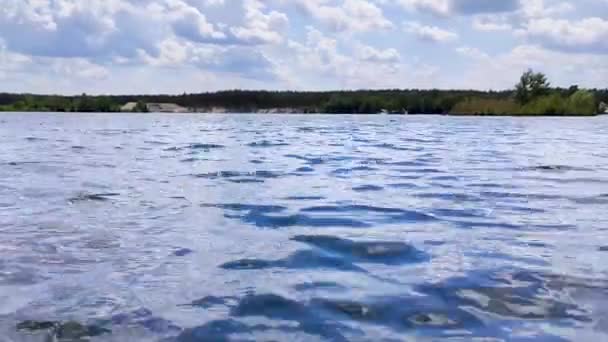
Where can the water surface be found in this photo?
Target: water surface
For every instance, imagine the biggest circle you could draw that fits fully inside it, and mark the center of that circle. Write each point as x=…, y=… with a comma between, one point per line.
x=305, y=228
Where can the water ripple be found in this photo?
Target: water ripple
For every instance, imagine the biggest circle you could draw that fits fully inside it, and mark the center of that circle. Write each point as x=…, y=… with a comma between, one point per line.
x=303, y=227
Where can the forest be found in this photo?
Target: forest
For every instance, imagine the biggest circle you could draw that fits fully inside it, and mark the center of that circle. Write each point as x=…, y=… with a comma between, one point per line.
x=533, y=95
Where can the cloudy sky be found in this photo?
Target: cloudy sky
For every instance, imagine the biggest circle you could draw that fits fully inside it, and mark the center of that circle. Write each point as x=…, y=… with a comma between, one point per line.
x=176, y=46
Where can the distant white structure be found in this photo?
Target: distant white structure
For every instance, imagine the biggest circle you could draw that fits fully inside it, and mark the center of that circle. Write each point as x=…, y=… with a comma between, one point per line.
x=166, y=108
x=603, y=108
x=128, y=107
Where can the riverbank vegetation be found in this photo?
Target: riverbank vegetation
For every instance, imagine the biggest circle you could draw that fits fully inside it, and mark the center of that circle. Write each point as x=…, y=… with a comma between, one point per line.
x=533, y=95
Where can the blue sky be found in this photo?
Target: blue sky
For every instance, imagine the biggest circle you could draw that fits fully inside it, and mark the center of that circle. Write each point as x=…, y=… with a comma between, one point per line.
x=176, y=46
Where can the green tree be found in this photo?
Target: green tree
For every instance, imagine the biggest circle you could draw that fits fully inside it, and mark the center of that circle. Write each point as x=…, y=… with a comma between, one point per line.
x=531, y=86
x=582, y=102
x=140, y=107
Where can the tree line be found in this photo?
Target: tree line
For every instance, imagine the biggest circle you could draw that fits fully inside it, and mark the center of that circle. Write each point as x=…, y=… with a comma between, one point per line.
x=532, y=95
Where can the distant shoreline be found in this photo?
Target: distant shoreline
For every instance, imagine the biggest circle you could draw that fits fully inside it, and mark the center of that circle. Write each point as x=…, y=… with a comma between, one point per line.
x=318, y=113
x=552, y=102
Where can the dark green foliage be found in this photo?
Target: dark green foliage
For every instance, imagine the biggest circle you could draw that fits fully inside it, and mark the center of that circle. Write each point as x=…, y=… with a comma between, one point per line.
x=140, y=107
x=532, y=97
x=531, y=85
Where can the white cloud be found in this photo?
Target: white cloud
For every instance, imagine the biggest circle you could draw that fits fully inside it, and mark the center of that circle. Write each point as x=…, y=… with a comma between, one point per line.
x=189, y=45
x=351, y=15
x=371, y=54
x=492, y=23
x=261, y=27
x=430, y=33
x=586, y=35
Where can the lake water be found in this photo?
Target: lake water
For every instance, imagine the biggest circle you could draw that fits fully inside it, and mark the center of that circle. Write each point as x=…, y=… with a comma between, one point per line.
x=302, y=228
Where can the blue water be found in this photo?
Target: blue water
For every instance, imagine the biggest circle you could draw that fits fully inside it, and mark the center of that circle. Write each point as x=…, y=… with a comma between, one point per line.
x=302, y=228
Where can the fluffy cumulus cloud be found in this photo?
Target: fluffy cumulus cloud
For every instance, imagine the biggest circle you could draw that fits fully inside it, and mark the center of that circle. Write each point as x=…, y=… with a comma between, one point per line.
x=430, y=33
x=346, y=15
x=134, y=46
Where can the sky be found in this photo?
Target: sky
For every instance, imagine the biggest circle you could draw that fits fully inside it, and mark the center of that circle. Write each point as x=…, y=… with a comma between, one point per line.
x=177, y=46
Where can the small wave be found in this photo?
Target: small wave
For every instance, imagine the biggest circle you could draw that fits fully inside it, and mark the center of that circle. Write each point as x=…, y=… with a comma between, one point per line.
x=298, y=260
x=205, y=146
x=182, y=252
x=93, y=197
x=368, y=188
x=383, y=252
x=554, y=168
x=305, y=169
x=35, y=139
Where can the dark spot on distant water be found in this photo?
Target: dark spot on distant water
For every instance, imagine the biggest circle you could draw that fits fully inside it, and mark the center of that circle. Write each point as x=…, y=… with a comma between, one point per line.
x=434, y=243
x=495, y=225
x=183, y=252
x=256, y=161
x=555, y=168
x=469, y=213
x=156, y=142
x=324, y=285
x=13, y=163
x=266, y=143
x=78, y=147
x=205, y=146
x=190, y=160
x=247, y=207
x=211, y=301
x=247, y=264
x=445, y=178
x=431, y=319
x=422, y=171
x=245, y=180
x=383, y=252
x=345, y=171
x=304, y=198
x=34, y=139
x=305, y=169
x=235, y=174
x=93, y=197
x=603, y=249
x=367, y=188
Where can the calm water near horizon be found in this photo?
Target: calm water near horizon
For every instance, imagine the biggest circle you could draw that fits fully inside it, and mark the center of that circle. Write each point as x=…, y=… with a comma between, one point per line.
x=154, y=227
